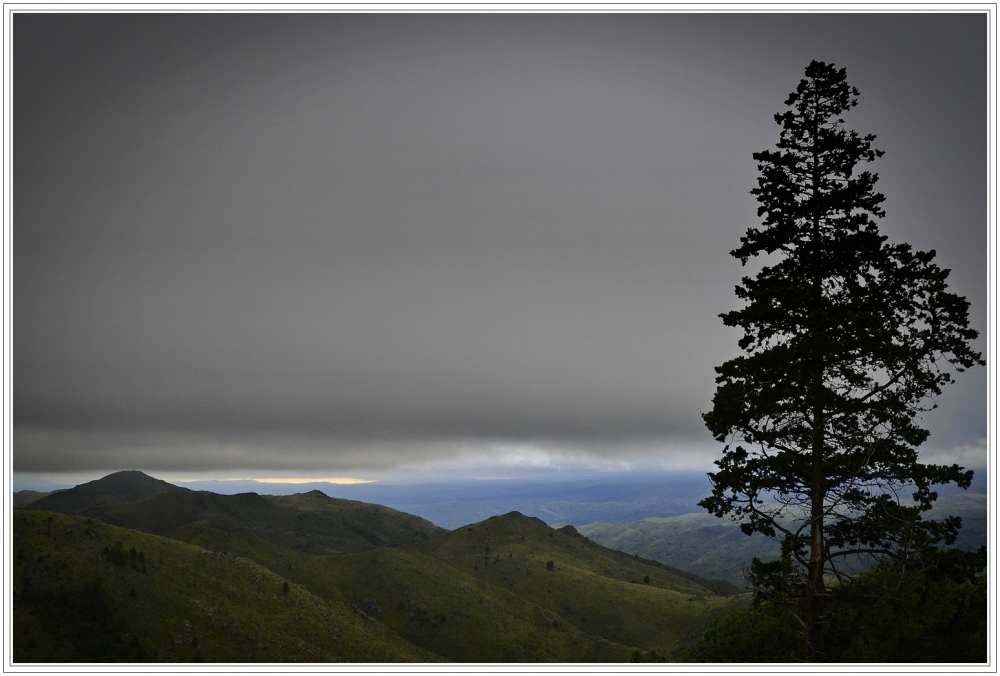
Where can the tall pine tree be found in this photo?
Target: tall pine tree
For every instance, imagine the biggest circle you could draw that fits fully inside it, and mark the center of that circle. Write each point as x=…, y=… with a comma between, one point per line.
x=846, y=340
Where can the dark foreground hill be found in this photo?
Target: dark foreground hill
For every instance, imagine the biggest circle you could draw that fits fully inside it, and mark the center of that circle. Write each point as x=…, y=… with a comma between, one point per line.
x=310, y=522
x=450, y=596
x=85, y=591
x=120, y=487
x=600, y=591
x=511, y=589
x=89, y=591
x=508, y=589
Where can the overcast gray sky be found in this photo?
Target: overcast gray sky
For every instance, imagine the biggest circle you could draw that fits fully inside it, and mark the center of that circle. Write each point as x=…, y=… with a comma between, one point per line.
x=337, y=245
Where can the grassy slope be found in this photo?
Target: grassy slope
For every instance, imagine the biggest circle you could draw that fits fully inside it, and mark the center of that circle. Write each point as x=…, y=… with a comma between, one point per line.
x=451, y=613
x=594, y=589
x=310, y=522
x=426, y=601
x=120, y=487
x=714, y=547
x=73, y=604
x=26, y=497
x=444, y=592
x=444, y=597
x=717, y=548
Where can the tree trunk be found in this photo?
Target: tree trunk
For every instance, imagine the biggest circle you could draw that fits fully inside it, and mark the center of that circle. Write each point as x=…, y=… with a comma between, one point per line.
x=814, y=582
x=815, y=587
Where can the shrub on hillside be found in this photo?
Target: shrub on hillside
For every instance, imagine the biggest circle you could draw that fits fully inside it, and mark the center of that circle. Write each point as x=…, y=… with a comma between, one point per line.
x=934, y=613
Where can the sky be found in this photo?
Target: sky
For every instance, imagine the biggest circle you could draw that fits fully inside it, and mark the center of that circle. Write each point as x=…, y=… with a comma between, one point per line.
x=365, y=246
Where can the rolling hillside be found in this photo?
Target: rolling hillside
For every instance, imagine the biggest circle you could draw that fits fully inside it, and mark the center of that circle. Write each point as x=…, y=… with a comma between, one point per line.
x=309, y=522
x=452, y=597
x=120, y=487
x=716, y=548
x=448, y=597
x=602, y=592
x=86, y=591
x=509, y=589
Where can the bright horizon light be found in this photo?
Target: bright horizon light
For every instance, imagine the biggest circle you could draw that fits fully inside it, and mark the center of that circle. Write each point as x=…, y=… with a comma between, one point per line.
x=309, y=480
x=285, y=480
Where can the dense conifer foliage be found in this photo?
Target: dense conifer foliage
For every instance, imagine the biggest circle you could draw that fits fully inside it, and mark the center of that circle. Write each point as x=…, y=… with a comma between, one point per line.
x=846, y=340
x=935, y=611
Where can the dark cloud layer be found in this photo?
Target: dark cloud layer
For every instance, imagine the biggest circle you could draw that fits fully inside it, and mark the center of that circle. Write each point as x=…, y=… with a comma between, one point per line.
x=393, y=228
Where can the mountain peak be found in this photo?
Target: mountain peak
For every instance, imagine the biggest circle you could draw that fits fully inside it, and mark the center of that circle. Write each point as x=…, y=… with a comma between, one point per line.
x=124, y=486
x=316, y=493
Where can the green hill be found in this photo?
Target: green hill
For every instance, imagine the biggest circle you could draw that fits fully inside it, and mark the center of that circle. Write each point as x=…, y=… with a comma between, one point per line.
x=310, y=522
x=26, y=497
x=717, y=548
x=445, y=597
x=120, y=487
x=86, y=591
x=433, y=605
x=509, y=589
x=714, y=547
x=599, y=591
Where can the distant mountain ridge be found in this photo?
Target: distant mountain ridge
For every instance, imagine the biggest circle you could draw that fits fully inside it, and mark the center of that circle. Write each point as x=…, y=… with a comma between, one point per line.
x=26, y=497
x=616, y=497
x=116, y=488
x=310, y=522
x=716, y=548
